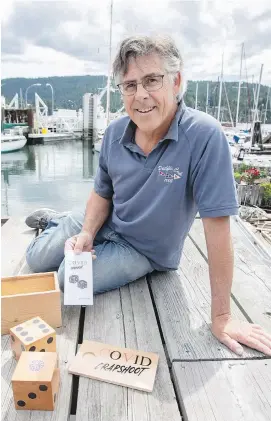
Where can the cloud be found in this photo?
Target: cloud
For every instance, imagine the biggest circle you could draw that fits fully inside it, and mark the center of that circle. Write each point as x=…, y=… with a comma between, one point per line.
x=46, y=24
x=70, y=37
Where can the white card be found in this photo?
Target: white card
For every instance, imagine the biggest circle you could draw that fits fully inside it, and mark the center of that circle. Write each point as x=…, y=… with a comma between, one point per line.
x=78, y=288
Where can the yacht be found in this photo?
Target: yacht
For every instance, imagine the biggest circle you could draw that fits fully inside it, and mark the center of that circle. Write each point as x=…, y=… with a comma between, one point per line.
x=12, y=140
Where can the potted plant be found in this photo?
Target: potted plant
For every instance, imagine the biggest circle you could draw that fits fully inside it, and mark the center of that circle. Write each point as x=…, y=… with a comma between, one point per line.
x=237, y=176
x=266, y=201
x=250, y=175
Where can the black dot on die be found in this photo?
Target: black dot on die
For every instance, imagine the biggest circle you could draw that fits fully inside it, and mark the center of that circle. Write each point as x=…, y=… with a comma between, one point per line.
x=29, y=339
x=42, y=326
x=24, y=333
x=12, y=338
x=18, y=329
x=54, y=397
x=45, y=330
x=43, y=388
x=42, y=350
x=21, y=403
x=33, y=348
x=36, y=321
x=50, y=340
x=32, y=395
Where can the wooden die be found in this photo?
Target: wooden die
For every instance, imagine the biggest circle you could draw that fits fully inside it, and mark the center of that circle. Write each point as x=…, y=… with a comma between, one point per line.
x=33, y=335
x=35, y=381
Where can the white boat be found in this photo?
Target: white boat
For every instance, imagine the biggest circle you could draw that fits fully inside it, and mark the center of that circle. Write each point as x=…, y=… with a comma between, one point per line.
x=51, y=136
x=12, y=140
x=97, y=146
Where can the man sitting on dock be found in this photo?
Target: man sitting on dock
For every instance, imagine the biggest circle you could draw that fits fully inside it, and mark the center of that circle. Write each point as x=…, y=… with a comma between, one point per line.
x=158, y=167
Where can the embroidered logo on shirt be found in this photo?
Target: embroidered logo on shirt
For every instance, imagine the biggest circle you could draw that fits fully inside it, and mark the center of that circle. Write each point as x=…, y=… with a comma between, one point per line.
x=169, y=173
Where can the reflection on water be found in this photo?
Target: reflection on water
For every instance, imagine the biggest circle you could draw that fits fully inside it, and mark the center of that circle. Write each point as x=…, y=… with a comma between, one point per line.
x=57, y=175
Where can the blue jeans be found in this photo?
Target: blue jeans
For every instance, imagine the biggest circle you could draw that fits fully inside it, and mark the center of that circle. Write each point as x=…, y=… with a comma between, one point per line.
x=117, y=263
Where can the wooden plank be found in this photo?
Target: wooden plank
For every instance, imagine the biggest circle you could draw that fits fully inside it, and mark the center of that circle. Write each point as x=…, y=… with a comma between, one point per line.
x=103, y=323
x=66, y=348
x=183, y=301
x=16, y=237
x=256, y=238
x=247, y=239
x=126, y=318
x=252, y=277
x=141, y=331
x=224, y=390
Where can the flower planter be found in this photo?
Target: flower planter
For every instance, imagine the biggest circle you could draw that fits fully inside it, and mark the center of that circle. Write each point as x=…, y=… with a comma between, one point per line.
x=250, y=194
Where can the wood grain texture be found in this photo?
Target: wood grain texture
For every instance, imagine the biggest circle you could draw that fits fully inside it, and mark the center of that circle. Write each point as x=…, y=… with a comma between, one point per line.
x=183, y=301
x=66, y=349
x=256, y=239
x=15, y=237
x=126, y=318
x=224, y=390
x=27, y=284
x=252, y=277
x=19, y=308
x=67, y=337
x=93, y=356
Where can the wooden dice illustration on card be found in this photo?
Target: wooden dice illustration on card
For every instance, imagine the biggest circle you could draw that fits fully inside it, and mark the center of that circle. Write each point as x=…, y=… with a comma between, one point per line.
x=78, y=288
x=34, y=335
x=35, y=381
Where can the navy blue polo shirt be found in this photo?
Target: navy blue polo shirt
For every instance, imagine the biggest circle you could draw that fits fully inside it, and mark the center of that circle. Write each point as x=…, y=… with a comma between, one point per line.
x=156, y=197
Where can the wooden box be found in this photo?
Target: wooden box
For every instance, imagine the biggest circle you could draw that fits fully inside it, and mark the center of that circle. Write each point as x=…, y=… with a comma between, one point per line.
x=35, y=381
x=26, y=296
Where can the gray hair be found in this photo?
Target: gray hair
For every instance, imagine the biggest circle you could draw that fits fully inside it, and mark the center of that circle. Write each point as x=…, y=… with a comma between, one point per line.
x=137, y=46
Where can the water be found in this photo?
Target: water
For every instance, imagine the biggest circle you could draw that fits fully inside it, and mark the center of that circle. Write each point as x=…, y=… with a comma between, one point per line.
x=57, y=175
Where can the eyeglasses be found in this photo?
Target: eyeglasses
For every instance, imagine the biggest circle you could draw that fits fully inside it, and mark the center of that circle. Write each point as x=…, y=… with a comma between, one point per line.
x=149, y=83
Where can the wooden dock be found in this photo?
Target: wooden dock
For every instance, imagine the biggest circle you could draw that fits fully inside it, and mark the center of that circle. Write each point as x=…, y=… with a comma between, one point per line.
x=198, y=379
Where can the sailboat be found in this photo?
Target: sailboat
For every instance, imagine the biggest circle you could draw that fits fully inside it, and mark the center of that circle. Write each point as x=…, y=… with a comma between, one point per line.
x=97, y=145
x=12, y=140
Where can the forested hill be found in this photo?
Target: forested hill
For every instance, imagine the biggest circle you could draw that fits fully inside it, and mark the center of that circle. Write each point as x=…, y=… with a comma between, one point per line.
x=69, y=90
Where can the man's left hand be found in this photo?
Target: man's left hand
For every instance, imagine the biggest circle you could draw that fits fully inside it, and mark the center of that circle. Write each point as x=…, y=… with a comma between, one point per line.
x=232, y=333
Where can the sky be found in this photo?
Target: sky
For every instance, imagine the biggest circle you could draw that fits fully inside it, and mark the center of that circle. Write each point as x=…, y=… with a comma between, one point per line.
x=64, y=38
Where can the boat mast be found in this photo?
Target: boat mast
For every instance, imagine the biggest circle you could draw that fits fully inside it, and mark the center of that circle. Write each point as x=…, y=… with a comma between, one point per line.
x=254, y=98
x=21, y=98
x=256, y=103
x=207, y=98
x=258, y=91
x=239, y=86
x=229, y=108
x=109, y=67
x=220, y=88
x=196, y=101
x=266, y=105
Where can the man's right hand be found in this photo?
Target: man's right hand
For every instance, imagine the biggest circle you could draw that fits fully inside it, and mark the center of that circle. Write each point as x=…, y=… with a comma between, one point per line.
x=80, y=242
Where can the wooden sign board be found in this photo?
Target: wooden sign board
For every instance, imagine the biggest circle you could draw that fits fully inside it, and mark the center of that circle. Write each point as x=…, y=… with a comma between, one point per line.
x=122, y=366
